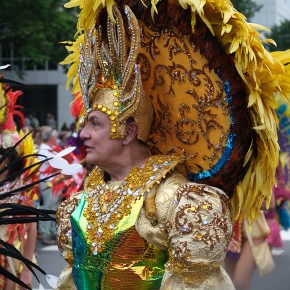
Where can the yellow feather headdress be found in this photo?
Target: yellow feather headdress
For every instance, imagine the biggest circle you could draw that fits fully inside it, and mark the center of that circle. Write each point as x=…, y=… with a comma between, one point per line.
x=176, y=67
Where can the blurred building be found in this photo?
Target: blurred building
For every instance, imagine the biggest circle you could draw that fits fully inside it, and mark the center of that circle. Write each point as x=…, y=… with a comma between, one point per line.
x=273, y=12
x=47, y=92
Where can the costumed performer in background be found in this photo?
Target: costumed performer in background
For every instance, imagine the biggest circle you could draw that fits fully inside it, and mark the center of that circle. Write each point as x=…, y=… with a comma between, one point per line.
x=282, y=189
x=241, y=259
x=278, y=214
x=22, y=236
x=282, y=194
x=140, y=223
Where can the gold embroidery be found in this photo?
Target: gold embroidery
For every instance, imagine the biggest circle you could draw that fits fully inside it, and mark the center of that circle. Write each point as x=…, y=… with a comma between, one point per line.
x=107, y=205
x=184, y=84
x=182, y=252
x=198, y=218
x=194, y=273
x=62, y=218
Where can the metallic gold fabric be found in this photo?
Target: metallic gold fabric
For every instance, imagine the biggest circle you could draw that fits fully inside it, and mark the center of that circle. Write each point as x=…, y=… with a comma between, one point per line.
x=107, y=204
x=188, y=95
x=195, y=225
x=65, y=281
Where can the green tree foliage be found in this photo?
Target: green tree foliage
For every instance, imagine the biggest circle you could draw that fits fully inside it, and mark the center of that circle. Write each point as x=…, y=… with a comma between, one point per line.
x=247, y=7
x=281, y=35
x=35, y=28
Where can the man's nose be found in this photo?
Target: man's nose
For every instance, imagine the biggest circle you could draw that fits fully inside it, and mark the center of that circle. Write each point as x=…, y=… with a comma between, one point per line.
x=84, y=133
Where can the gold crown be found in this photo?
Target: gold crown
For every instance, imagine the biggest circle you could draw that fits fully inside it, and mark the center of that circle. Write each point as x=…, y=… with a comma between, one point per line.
x=110, y=79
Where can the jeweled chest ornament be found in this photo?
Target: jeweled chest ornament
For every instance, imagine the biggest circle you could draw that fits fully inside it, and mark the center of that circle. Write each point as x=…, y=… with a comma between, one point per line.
x=107, y=204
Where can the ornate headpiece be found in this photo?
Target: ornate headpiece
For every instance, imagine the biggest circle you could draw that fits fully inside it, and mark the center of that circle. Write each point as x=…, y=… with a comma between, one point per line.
x=8, y=133
x=110, y=79
x=212, y=85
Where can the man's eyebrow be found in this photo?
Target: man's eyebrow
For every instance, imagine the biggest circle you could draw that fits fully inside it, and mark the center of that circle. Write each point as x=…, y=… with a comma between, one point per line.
x=91, y=118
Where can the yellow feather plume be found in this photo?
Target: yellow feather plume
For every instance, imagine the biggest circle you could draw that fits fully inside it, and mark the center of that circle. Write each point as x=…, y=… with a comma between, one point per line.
x=27, y=149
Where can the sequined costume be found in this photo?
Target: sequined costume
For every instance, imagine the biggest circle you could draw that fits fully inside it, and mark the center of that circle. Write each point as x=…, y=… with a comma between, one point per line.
x=12, y=161
x=259, y=231
x=153, y=61
x=189, y=217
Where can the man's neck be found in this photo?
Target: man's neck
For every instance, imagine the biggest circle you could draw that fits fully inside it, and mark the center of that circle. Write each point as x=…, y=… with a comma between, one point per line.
x=121, y=169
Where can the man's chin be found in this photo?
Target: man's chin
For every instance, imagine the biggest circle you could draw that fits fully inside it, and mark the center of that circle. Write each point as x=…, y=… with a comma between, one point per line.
x=90, y=159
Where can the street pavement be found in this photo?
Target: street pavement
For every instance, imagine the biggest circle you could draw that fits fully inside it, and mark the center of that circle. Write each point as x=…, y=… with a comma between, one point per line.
x=52, y=262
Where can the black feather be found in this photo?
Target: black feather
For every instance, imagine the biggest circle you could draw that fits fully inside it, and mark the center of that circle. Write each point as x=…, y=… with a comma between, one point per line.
x=19, y=172
x=15, y=83
x=13, y=278
x=14, y=146
x=20, y=159
x=11, y=213
x=24, y=187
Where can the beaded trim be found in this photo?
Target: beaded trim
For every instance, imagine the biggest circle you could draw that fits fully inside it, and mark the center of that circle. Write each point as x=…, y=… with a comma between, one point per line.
x=194, y=273
x=112, y=114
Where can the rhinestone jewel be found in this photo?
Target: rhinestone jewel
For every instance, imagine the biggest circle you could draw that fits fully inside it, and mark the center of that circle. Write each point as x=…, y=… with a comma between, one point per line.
x=68, y=234
x=185, y=228
x=70, y=210
x=99, y=232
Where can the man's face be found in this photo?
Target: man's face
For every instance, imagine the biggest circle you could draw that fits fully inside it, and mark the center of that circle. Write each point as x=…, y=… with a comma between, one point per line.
x=101, y=150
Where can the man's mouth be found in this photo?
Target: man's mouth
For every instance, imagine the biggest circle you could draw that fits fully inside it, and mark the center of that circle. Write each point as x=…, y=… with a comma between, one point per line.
x=88, y=148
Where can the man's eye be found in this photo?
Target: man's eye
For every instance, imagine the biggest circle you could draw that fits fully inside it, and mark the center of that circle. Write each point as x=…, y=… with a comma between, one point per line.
x=96, y=123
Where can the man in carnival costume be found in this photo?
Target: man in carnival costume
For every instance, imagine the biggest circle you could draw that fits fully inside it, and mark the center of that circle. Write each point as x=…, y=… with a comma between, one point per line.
x=179, y=120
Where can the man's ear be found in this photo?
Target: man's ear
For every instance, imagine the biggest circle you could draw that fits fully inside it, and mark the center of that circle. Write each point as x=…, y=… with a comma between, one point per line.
x=131, y=133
